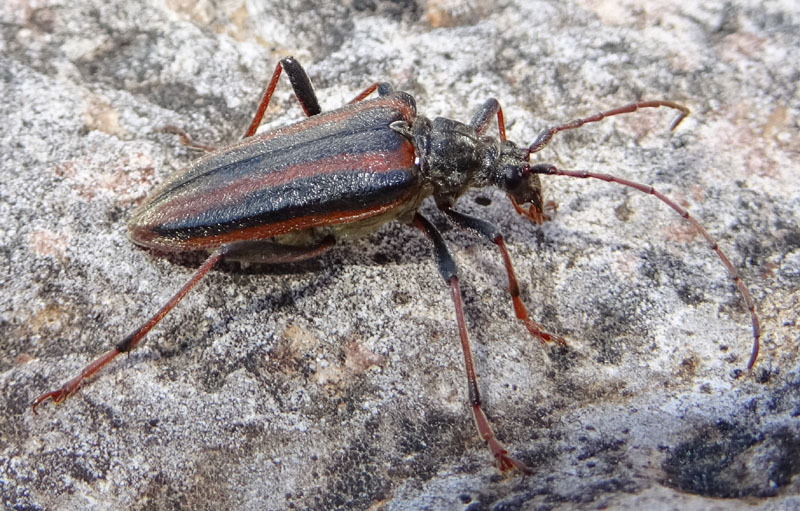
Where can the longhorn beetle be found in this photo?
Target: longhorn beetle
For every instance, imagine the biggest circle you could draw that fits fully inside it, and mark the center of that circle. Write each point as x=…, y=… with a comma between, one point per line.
x=291, y=193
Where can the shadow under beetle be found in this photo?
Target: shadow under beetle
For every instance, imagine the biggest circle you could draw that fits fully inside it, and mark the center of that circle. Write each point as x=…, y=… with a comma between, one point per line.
x=291, y=193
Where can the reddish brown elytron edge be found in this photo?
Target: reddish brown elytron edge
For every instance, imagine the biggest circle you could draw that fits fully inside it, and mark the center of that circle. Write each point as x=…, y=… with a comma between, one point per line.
x=291, y=193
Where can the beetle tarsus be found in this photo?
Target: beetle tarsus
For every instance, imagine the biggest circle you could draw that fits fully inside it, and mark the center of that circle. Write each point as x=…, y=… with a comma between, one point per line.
x=536, y=330
x=506, y=463
x=57, y=396
x=502, y=459
x=186, y=140
x=72, y=385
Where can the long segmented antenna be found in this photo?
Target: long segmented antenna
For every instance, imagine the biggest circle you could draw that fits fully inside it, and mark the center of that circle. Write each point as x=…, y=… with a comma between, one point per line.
x=748, y=299
x=547, y=134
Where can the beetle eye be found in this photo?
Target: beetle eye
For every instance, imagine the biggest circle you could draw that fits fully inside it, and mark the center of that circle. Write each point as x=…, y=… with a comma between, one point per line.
x=513, y=178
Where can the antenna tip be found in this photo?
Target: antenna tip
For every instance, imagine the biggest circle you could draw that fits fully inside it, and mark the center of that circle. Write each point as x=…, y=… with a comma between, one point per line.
x=681, y=116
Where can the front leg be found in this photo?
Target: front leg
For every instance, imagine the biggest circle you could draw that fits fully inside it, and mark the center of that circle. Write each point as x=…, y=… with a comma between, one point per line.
x=480, y=121
x=491, y=233
x=448, y=270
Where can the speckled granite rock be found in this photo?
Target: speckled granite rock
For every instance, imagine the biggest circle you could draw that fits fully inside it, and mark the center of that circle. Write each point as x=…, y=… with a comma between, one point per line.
x=338, y=384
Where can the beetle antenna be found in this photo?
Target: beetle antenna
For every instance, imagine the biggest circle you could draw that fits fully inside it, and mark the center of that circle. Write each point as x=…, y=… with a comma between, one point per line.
x=546, y=134
x=734, y=275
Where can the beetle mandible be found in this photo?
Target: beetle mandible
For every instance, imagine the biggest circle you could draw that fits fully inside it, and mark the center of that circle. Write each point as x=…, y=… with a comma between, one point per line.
x=291, y=193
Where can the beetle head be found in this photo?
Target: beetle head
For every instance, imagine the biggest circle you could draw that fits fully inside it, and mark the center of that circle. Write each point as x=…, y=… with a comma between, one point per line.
x=513, y=174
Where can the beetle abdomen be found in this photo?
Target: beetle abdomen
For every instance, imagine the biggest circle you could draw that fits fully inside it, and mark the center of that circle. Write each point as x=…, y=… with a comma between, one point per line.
x=337, y=167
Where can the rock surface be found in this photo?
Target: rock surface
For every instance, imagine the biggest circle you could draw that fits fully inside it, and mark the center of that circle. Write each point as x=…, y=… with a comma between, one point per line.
x=338, y=384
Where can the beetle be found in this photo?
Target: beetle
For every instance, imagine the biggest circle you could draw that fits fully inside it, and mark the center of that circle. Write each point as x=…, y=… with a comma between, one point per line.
x=289, y=194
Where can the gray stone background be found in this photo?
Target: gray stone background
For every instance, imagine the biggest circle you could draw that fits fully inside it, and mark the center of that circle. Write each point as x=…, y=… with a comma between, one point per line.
x=338, y=384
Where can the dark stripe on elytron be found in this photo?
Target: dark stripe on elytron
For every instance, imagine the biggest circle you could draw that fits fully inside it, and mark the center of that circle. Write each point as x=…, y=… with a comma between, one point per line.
x=193, y=202
x=263, y=232
x=364, y=131
x=340, y=192
x=381, y=140
x=375, y=152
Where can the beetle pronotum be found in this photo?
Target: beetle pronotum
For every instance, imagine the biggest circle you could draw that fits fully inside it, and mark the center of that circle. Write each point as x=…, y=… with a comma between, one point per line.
x=291, y=193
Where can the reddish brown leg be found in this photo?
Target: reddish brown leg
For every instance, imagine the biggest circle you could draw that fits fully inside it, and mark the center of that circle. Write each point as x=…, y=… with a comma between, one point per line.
x=480, y=121
x=734, y=275
x=504, y=462
x=130, y=341
x=534, y=328
x=366, y=92
x=383, y=88
x=186, y=140
x=491, y=233
x=303, y=90
x=447, y=268
x=301, y=84
x=544, y=137
x=255, y=251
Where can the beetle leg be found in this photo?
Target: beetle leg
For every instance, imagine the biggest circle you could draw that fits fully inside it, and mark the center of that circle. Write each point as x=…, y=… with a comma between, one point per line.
x=301, y=84
x=238, y=251
x=480, y=121
x=448, y=270
x=270, y=252
x=303, y=90
x=492, y=234
x=383, y=88
x=186, y=140
x=131, y=340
